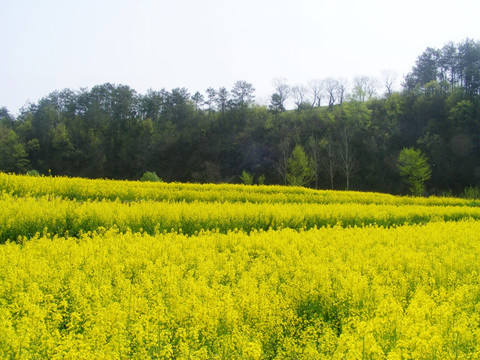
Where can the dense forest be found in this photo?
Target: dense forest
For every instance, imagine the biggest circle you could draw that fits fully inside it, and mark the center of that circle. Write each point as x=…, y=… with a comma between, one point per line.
x=352, y=134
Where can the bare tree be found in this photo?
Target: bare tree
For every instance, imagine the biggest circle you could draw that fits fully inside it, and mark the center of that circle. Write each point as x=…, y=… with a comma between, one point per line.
x=282, y=164
x=331, y=86
x=372, y=85
x=328, y=160
x=282, y=91
x=314, y=148
x=389, y=78
x=299, y=94
x=346, y=155
x=364, y=87
x=359, y=88
x=342, y=89
x=316, y=89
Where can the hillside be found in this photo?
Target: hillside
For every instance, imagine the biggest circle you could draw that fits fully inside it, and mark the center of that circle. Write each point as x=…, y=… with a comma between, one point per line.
x=352, y=133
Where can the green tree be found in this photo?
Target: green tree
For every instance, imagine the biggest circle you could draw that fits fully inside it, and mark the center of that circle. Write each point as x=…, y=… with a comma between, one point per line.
x=246, y=178
x=221, y=100
x=61, y=148
x=261, y=180
x=282, y=93
x=243, y=94
x=414, y=169
x=276, y=103
x=13, y=157
x=299, y=170
x=425, y=69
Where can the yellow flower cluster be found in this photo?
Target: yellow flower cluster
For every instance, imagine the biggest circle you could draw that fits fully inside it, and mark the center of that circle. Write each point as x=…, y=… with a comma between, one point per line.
x=409, y=292
x=26, y=216
x=98, y=269
x=86, y=189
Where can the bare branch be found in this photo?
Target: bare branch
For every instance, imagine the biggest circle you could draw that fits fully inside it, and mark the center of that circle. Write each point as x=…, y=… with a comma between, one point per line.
x=282, y=165
x=346, y=155
x=389, y=78
x=282, y=89
x=364, y=87
x=299, y=93
x=316, y=89
x=342, y=89
x=331, y=86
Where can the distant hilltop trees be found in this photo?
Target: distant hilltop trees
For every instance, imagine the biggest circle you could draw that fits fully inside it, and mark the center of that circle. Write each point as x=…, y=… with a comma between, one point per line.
x=344, y=135
x=453, y=66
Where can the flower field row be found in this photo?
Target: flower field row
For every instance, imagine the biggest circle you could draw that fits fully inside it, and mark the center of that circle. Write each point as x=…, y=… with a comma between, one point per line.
x=409, y=292
x=85, y=189
x=99, y=269
x=24, y=217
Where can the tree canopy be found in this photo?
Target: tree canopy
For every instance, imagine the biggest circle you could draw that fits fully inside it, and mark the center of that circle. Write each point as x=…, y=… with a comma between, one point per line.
x=414, y=169
x=352, y=138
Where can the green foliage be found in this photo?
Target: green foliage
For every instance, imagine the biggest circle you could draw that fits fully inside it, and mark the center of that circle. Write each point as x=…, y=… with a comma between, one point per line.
x=414, y=169
x=246, y=178
x=453, y=65
x=110, y=131
x=299, y=170
x=276, y=103
x=13, y=157
x=242, y=93
x=471, y=192
x=357, y=114
x=261, y=180
x=33, y=173
x=150, y=176
x=61, y=148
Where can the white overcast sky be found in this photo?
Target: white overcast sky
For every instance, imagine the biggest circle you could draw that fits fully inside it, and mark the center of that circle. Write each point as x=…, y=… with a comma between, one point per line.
x=55, y=44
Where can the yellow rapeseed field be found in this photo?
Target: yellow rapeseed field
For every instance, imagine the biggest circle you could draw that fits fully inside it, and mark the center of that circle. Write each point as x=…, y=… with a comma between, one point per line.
x=96, y=269
x=85, y=189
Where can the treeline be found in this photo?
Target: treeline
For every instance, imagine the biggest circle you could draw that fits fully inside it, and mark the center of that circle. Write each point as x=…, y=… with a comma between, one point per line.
x=352, y=136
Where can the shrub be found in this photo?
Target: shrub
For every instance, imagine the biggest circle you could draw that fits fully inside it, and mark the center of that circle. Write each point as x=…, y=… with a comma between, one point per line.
x=261, y=180
x=33, y=173
x=246, y=178
x=150, y=176
x=299, y=171
x=471, y=192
